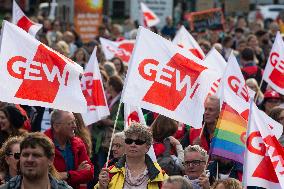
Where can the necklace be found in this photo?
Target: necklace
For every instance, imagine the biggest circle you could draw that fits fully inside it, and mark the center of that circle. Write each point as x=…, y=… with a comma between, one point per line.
x=135, y=181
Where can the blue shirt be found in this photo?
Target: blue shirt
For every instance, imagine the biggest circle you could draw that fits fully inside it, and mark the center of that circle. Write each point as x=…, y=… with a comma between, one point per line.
x=67, y=155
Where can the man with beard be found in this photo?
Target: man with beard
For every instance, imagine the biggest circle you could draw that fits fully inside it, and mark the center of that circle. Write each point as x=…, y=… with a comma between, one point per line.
x=36, y=165
x=71, y=158
x=203, y=136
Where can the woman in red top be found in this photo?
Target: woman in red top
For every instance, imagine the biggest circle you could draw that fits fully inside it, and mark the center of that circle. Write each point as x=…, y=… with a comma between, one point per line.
x=164, y=128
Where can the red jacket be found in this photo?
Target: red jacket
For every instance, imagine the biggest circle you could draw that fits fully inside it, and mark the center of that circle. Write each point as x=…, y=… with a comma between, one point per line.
x=80, y=155
x=194, y=134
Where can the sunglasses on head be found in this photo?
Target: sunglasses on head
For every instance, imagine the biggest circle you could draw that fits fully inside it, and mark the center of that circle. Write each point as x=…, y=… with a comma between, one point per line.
x=15, y=155
x=137, y=141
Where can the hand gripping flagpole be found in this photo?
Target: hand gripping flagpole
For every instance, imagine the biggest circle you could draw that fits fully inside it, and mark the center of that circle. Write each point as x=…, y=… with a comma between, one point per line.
x=112, y=136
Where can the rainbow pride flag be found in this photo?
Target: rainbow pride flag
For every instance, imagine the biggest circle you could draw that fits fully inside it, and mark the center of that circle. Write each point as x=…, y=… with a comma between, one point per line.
x=229, y=136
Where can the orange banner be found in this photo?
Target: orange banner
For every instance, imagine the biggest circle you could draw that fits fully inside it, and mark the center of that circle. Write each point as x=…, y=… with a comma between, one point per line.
x=87, y=18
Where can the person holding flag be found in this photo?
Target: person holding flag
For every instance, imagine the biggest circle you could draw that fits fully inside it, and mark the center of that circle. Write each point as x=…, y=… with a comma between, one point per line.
x=102, y=130
x=195, y=163
x=203, y=136
x=135, y=168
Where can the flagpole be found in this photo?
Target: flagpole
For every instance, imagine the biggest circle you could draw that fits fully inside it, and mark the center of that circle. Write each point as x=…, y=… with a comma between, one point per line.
x=257, y=94
x=112, y=136
x=217, y=172
x=247, y=133
x=202, y=130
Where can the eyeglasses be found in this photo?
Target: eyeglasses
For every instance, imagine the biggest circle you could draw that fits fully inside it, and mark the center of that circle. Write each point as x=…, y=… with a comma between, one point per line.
x=137, y=142
x=193, y=163
x=116, y=145
x=70, y=123
x=15, y=155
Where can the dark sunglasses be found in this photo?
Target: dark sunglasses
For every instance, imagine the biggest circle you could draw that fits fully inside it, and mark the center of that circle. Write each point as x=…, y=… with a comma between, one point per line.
x=16, y=155
x=137, y=142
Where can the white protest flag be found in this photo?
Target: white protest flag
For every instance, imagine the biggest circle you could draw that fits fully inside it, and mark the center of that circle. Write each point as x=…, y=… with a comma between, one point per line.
x=233, y=89
x=36, y=75
x=166, y=79
x=22, y=21
x=274, y=69
x=92, y=87
x=135, y=114
x=149, y=17
x=121, y=49
x=264, y=155
x=215, y=61
x=185, y=40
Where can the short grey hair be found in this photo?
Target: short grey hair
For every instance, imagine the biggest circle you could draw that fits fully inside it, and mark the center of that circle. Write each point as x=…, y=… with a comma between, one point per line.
x=55, y=116
x=215, y=99
x=197, y=148
x=119, y=135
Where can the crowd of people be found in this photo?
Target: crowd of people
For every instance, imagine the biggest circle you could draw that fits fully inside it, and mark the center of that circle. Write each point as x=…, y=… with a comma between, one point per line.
x=45, y=148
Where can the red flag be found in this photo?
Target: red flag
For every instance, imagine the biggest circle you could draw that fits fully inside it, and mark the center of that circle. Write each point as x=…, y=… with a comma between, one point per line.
x=22, y=21
x=264, y=158
x=93, y=91
x=36, y=75
x=149, y=17
x=274, y=69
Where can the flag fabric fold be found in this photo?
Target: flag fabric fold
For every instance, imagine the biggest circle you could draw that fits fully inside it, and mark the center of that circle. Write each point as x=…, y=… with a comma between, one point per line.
x=215, y=61
x=92, y=87
x=233, y=89
x=185, y=40
x=264, y=155
x=166, y=79
x=149, y=17
x=229, y=135
x=36, y=75
x=274, y=70
x=22, y=21
x=121, y=49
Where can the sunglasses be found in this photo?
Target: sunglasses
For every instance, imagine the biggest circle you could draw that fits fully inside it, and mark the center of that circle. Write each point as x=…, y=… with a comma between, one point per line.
x=15, y=155
x=137, y=142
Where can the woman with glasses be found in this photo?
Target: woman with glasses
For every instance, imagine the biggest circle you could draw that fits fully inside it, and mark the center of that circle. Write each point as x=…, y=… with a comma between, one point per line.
x=9, y=158
x=195, y=163
x=135, y=169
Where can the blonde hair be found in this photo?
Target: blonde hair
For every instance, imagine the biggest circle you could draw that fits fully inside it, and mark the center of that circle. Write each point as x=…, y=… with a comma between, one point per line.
x=229, y=183
x=254, y=82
